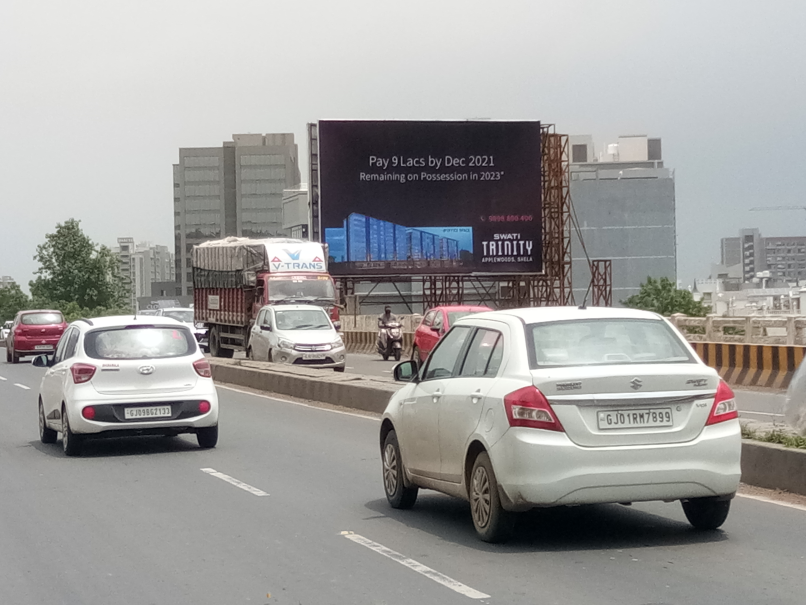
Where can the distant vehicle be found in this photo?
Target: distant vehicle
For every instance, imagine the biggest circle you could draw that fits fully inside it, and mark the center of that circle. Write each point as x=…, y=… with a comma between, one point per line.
x=435, y=324
x=234, y=278
x=148, y=312
x=300, y=335
x=119, y=376
x=33, y=332
x=5, y=330
x=390, y=340
x=185, y=315
x=562, y=406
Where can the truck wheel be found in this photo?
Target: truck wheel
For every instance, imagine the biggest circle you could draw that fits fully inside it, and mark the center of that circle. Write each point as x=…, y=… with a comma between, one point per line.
x=216, y=350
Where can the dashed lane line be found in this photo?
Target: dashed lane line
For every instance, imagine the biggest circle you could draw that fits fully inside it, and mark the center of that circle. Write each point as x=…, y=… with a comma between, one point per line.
x=22, y=386
x=233, y=481
x=416, y=566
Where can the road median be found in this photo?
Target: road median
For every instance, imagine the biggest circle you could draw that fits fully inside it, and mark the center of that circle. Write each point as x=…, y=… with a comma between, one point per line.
x=764, y=465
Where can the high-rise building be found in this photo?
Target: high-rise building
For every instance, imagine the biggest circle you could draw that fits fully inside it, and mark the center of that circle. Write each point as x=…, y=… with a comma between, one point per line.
x=624, y=199
x=235, y=189
x=783, y=257
x=142, y=265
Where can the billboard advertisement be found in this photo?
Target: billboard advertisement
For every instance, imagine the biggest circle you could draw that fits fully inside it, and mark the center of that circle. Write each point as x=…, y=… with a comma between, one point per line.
x=430, y=197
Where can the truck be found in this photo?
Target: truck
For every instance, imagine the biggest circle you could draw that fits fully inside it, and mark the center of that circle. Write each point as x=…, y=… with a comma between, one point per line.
x=234, y=277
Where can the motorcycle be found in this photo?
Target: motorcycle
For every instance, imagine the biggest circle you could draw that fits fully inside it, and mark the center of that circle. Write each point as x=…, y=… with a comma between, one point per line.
x=390, y=341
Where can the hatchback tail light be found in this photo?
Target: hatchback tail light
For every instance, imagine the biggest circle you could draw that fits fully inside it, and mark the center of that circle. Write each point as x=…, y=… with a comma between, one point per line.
x=202, y=367
x=82, y=372
x=88, y=412
x=724, y=407
x=529, y=407
x=204, y=407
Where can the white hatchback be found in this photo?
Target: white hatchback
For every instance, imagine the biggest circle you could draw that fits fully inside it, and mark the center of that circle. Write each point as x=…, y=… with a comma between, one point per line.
x=561, y=406
x=301, y=335
x=119, y=376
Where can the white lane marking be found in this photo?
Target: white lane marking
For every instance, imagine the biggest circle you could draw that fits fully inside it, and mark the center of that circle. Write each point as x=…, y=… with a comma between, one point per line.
x=22, y=386
x=418, y=567
x=771, y=501
x=305, y=405
x=762, y=413
x=244, y=486
x=4, y=379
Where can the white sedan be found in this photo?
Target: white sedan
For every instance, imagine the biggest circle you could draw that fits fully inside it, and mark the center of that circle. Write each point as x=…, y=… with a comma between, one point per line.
x=562, y=406
x=118, y=376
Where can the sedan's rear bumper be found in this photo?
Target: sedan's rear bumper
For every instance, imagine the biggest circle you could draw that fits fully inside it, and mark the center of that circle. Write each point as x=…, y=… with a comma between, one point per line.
x=544, y=468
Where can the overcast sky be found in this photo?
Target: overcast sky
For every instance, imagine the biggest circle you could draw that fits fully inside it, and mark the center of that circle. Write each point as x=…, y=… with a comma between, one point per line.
x=97, y=96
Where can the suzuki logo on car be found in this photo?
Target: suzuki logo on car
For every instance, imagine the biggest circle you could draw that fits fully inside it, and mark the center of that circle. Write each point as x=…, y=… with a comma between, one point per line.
x=636, y=383
x=146, y=369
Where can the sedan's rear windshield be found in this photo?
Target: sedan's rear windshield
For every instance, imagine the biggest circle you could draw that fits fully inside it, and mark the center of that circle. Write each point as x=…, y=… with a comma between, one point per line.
x=604, y=341
x=139, y=342
x=41, y=319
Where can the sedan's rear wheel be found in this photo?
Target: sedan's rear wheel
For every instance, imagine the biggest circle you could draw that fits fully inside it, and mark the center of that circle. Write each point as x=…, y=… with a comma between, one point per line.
x=207, y=437
x=398, y=495
x=46, y=435
x=706, y=513
x=71, y=443
x=492, y=522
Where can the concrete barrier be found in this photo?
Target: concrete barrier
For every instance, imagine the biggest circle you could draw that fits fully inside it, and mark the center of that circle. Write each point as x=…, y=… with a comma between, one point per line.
x=763, y=464
x=752, y=365
x=354, y=391
x=774, y=466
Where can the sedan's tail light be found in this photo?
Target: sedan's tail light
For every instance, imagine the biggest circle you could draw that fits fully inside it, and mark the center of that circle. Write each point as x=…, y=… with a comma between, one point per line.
x=82, y=372
x=724, y=407
x=202, y=367
x=529, y=407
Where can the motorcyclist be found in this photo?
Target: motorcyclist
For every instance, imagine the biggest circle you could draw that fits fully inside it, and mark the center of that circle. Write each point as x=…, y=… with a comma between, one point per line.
x=386, y=317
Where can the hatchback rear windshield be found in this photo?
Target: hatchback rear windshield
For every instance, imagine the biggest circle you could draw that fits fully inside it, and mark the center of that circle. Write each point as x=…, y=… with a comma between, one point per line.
x=42, y=319
x=604, y=341
x=139, y=342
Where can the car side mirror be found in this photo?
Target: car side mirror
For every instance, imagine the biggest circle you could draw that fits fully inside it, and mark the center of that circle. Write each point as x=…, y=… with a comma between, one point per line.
x=42, y=361
x=266, y=328
x=435, y=329
x=337, y=325
x=406, y=371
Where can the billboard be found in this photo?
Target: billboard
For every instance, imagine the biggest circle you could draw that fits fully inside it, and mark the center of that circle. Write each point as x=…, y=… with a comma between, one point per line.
x=430, y=197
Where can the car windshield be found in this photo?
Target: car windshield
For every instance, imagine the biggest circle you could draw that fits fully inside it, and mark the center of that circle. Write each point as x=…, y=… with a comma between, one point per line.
x=183, y=315
x=454, y=316
x=604, y=341
x=139, y=342
x=8, y=325
x=316, y=288
x=42, y=319
x=306, y=319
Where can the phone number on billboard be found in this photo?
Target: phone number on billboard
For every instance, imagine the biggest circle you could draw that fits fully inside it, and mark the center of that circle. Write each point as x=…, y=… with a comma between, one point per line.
x=510, y=218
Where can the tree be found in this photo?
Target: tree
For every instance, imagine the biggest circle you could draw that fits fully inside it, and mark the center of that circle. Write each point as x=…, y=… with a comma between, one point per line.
x=663, y=297
x=74, y=271
x=12, y=299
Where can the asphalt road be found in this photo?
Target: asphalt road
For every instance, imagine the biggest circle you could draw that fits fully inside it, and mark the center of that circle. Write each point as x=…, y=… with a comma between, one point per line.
x=138, y=521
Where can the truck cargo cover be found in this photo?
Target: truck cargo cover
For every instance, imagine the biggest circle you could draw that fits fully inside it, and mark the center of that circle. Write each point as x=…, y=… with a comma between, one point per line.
x=232, y=262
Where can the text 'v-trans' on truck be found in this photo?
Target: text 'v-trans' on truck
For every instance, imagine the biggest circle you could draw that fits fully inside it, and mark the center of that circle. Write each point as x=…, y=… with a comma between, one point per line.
x=234, y=277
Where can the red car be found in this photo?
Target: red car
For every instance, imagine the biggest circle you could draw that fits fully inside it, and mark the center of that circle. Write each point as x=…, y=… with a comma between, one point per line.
x=434, y=325
x=34, y=333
